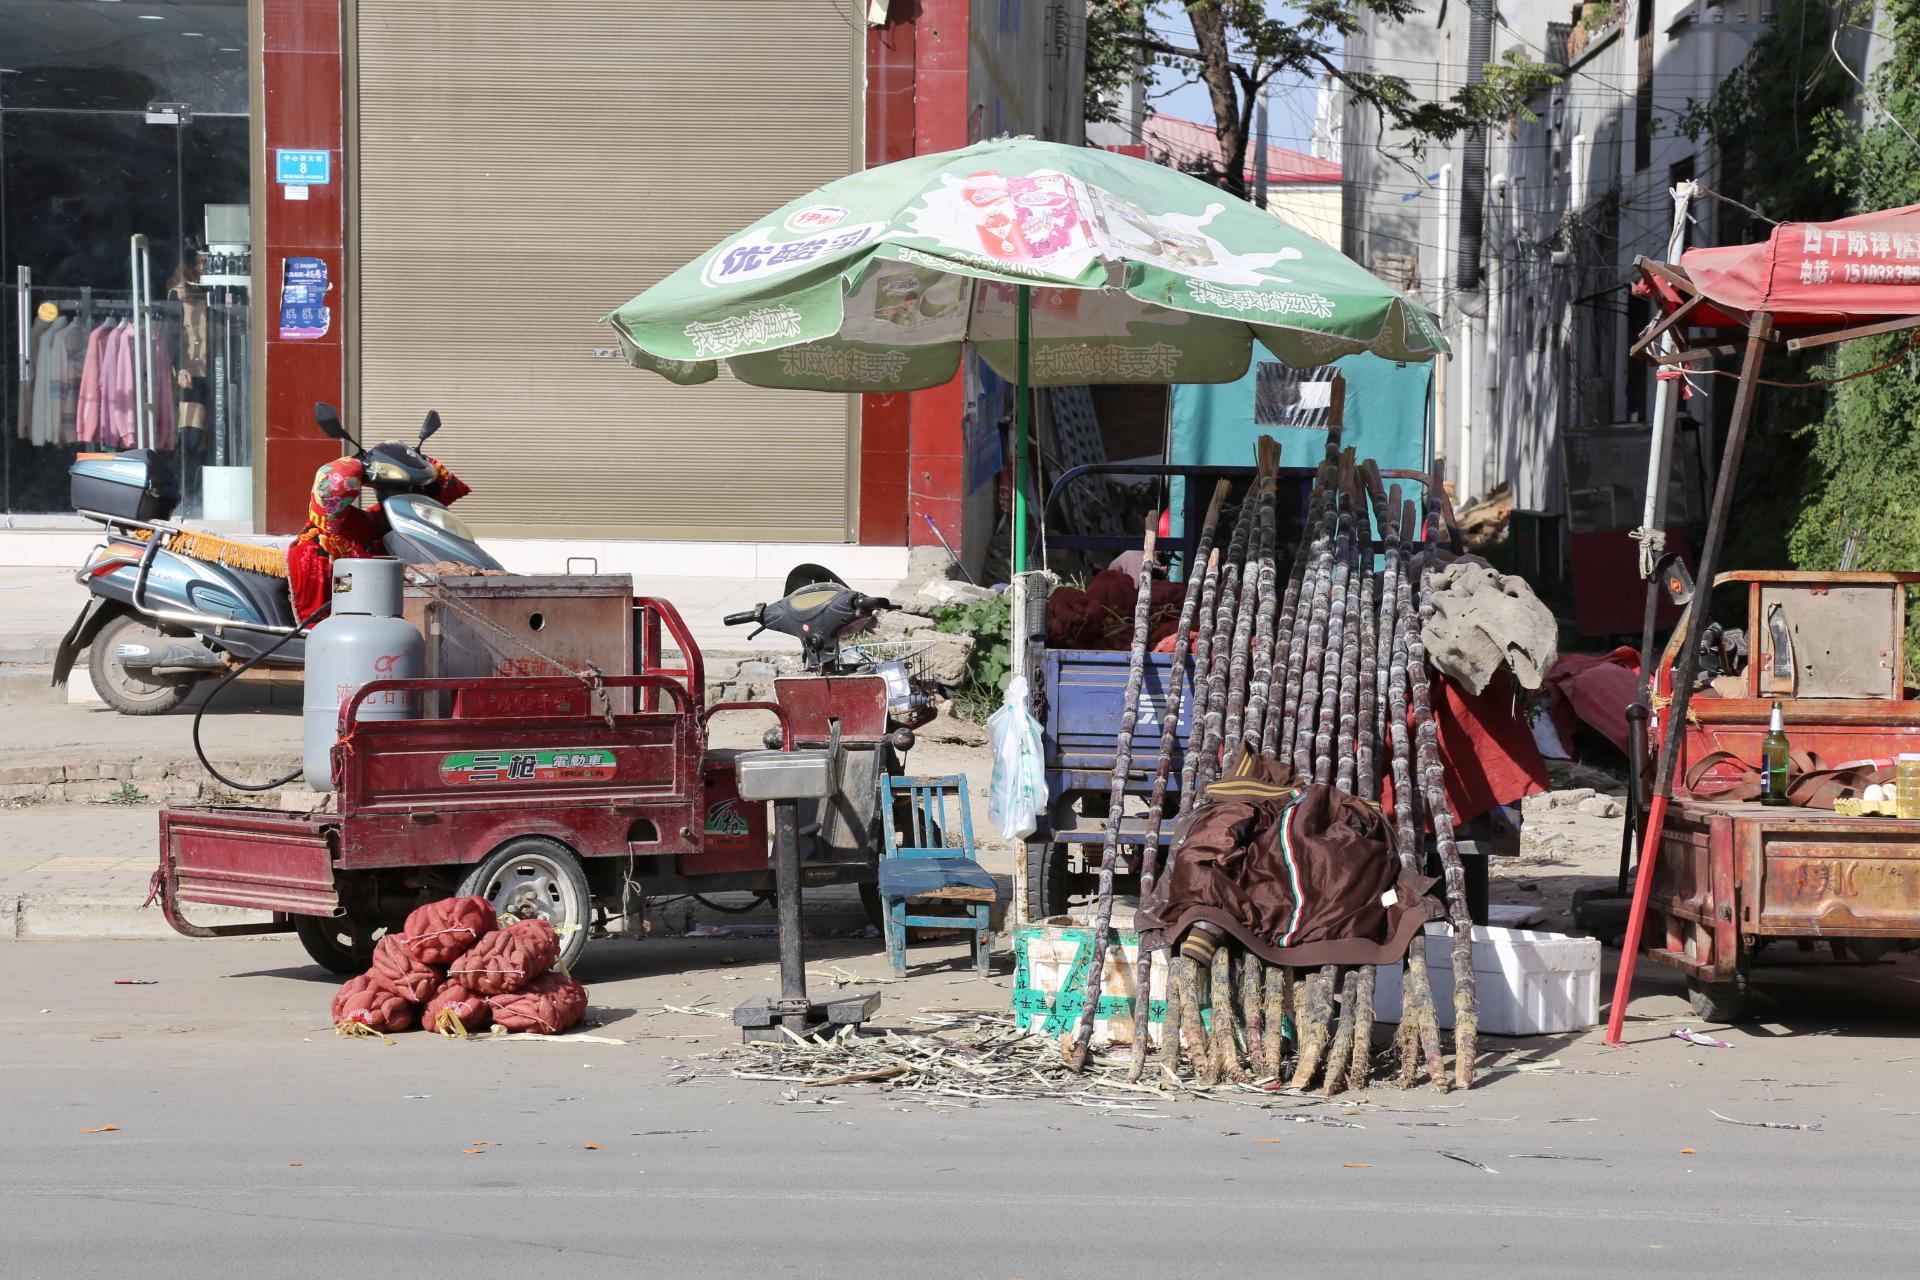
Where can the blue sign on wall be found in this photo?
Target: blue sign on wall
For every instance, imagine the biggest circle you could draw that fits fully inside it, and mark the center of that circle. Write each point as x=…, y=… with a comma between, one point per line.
x=303, y=168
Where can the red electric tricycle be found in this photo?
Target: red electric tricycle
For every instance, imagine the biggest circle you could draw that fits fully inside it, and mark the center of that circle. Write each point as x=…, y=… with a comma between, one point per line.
x=535, y=792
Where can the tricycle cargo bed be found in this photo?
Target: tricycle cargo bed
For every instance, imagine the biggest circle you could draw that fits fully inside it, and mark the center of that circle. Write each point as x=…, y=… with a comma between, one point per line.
x=234, y=856
x=1729, y=870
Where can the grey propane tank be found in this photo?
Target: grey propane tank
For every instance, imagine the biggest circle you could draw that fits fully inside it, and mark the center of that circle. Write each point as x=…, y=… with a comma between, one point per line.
x=362, y=640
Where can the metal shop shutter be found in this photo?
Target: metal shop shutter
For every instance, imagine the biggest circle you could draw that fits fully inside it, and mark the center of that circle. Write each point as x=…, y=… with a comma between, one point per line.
x=518, y=171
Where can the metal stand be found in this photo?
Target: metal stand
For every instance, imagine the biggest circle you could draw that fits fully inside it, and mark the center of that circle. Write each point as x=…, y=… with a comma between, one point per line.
x=761, y=774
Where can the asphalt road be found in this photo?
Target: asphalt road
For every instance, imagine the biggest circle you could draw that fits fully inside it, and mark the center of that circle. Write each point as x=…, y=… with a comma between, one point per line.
x=253, y=1142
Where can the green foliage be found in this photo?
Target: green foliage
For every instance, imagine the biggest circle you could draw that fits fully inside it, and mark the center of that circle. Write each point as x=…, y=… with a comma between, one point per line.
x=1825, y=464
x=990, y=666
x=1596, y=16
x=1236, y=47
x=1763, y=119
x=128, y=795
x=1865, y=450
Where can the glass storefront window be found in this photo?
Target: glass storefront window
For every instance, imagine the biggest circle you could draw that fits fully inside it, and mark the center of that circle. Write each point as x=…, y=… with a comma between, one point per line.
x=125, y=248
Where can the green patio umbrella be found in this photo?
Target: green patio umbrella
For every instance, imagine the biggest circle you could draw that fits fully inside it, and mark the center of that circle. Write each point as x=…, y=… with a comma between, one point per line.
x=1061, y=265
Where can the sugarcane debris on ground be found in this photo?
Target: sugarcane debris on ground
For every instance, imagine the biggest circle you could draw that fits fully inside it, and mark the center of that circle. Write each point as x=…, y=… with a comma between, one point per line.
x=967, y=1058
x=1322, y=667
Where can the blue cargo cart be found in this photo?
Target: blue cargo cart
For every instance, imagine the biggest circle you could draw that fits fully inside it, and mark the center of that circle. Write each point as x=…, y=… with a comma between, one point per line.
x=1078, y=697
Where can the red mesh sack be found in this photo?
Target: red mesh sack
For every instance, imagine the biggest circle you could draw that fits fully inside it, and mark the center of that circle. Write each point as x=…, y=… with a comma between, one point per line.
x=549, y=1004
x=440, y=932
x=368, y=1001
x=396, y=966
x=509, y=959
x=452, y=998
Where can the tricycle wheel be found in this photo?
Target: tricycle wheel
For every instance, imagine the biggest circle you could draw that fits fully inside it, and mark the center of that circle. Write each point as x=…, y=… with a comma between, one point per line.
x=536, y=878
x=1051, y=888
x=336, y=943
x=1723, y=1002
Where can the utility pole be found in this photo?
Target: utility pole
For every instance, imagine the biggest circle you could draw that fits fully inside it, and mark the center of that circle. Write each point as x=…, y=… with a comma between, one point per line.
x=1260, y=146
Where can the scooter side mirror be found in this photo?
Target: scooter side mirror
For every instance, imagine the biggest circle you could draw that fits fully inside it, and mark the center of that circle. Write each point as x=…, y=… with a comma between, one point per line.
x=329, y=419
x=431, y=425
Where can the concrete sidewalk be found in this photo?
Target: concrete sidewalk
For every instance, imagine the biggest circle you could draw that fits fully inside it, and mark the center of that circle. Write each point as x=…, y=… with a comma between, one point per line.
x=37, y=605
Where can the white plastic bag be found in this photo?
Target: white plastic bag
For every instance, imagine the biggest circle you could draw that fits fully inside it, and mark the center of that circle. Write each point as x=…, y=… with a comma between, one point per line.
x=1019, y=773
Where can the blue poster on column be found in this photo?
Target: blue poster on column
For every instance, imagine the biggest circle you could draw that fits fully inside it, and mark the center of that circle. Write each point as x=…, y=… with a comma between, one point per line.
x=303, y=299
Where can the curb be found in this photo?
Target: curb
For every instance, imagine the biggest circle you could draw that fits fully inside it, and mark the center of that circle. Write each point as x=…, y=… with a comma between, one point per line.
x=42, y=917
x=37, y=917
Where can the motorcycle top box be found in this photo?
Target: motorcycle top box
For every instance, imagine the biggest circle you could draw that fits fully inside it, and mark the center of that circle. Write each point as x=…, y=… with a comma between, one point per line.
x=136, y=485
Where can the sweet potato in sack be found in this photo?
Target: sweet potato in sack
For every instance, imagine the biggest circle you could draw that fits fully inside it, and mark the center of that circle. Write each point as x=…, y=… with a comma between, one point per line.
x=396, y=965
x=368, y=1001
x=441, y=932
x=549, y=1005
x=509, y=959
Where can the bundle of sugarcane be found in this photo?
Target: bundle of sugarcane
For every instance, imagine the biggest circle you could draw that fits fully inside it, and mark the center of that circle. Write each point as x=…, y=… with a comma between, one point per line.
x=1322, y=667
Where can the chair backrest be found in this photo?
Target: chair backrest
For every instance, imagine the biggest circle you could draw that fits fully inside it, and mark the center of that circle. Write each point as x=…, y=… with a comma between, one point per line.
x=929, y=819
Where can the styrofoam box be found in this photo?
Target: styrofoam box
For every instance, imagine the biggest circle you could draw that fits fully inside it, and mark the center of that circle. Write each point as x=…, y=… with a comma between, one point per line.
x=1528, y=982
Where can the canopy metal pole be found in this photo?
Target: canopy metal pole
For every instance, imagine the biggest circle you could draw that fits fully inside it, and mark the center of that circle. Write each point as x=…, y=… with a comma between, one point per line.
x=1022, y=419
x=1673, y=727
x=1652, y=533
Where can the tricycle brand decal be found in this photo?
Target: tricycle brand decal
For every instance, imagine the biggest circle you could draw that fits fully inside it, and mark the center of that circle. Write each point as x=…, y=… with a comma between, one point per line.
x=564, y=764
x=725, y=819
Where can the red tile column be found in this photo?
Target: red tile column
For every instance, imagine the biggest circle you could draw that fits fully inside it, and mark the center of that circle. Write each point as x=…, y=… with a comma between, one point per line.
x=884, y=419
x=300, y=52
x=936, y=476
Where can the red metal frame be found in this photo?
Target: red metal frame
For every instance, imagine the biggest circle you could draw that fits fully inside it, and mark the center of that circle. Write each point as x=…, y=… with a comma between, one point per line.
x=395, y=795
x=654, y=613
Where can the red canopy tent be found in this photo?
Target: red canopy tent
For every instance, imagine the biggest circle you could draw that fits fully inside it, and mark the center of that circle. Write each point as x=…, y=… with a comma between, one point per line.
x=1820, y=283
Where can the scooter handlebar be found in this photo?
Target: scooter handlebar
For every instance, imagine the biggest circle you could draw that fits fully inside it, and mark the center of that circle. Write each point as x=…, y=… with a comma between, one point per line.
x=742, y=619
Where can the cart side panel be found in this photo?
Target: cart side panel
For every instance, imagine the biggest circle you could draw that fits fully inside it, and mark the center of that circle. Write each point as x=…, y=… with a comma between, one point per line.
x=735, y=830
x=437, y=792
x=1825, y=875
x=1085, y=693
x=1681, y=930
x=258, y=858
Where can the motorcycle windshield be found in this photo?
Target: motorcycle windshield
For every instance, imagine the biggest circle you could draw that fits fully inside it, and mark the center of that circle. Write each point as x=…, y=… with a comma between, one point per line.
x=424, y=532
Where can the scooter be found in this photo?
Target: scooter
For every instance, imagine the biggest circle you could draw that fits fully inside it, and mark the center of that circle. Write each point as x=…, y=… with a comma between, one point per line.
x=172, y=606
x=862, y=711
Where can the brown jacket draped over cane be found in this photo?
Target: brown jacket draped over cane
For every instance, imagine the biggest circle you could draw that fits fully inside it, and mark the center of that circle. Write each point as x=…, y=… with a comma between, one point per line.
x=1301, y=875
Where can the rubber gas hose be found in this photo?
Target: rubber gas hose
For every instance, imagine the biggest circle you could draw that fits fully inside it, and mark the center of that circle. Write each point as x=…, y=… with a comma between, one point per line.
x=228, y=679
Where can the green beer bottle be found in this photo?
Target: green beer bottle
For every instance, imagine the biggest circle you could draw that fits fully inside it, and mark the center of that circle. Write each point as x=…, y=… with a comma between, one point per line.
x=1773, y=760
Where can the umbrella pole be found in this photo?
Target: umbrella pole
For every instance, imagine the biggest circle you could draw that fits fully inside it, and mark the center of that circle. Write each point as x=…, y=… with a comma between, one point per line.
x=1022, y=424
x=1674, y=727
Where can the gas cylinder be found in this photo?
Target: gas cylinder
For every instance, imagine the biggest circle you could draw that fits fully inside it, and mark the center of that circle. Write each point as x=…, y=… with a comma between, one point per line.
x=361, y=640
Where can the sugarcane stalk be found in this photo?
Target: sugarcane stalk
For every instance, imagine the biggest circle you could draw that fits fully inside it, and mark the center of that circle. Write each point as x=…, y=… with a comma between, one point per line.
x=1289, y=656
x=1466, y=1009
x=1366, y=780
x=1312, y=1021
x=1340, y=1053
x=1419, y=1034
x=1116, y=804
x=1171, y=1020
x=1163, y=768
x=1202, y=682
x=1192, y=1030
x=1346, y=746
x=1362, y=1069
x=1226, y=655
x=1327, y=724
x=1226, y=1047
x=1260, y=693
x=1253, y=1019
x=1279, y=991
x=1318, y=604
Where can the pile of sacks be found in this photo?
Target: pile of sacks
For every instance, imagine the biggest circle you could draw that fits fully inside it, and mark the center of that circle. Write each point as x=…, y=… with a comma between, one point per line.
x=455, y=969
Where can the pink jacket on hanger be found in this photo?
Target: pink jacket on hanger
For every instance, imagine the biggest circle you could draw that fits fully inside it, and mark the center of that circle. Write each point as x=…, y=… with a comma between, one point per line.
x=117, y=430
x=91, y=416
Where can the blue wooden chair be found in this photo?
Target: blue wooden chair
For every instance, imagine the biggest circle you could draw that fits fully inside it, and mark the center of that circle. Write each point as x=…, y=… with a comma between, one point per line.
x=920, y=867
